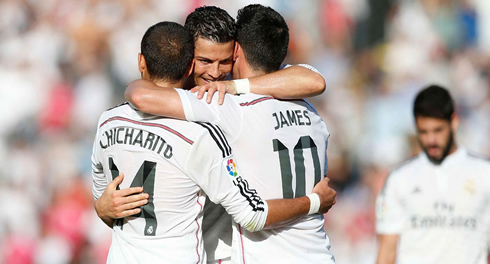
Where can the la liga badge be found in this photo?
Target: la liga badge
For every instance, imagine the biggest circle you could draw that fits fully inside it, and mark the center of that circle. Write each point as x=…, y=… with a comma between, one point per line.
x=231, y=167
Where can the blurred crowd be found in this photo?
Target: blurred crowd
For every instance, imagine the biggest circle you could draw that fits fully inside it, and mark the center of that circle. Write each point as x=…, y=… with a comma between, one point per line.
x=63, y=62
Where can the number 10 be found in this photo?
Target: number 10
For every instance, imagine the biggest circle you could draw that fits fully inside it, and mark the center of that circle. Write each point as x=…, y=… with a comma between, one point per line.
x=304, y=142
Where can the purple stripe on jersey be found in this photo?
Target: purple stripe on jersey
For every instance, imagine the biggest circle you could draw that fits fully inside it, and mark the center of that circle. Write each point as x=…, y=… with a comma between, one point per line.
x=118, y=118
x=197, y=233
x=241, y=239
x=257, y=101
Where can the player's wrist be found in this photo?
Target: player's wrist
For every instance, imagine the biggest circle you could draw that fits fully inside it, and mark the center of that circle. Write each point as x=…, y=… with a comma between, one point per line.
x=314, y=203
x=242, y=86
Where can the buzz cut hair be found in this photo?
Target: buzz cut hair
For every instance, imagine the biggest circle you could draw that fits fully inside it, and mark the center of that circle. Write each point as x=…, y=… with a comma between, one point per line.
x=168, y=49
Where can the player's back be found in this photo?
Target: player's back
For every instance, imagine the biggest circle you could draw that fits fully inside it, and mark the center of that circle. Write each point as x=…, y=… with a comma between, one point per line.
x=153, y=153
x=281, y=147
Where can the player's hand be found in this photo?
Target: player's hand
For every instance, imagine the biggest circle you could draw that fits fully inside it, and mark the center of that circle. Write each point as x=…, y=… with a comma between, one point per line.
x=327, y=195
x=120, y=203
x=222, y=87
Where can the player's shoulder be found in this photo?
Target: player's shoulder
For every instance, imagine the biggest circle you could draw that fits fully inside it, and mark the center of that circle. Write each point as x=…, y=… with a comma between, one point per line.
x=406, y=168
x=211, y=136
x=251, y=99
x=477, y=159
x=117, y=110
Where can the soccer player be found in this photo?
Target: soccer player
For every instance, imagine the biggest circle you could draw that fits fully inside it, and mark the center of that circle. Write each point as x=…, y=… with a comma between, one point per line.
x=434, y=208
x=285, y=139
x=178, y=163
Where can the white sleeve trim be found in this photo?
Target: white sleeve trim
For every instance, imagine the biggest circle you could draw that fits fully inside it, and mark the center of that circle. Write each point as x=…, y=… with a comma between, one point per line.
x=186, y=104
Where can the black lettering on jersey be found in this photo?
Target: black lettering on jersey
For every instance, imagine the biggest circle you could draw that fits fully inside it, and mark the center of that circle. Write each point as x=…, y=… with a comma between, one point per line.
x=305, y=113
x=128, y=135
x=156, y=143
x=283, y=120
x=102, y=146
x=291, y=117
x=298, y=114
x=117, y=135
x=168, y=152
x=161, y=146
x=277, y=121
x=149, y=139
x=138, y=139
x=110, y=139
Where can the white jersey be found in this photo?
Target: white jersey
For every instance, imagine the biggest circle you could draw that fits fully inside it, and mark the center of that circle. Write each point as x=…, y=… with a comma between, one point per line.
x=440, y=212
x=174, y=161
x=282, y=148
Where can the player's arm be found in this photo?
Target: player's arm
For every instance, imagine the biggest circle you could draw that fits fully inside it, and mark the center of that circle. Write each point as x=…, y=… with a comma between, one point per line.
x=294, y=82
x=181, y=104
x=387, y=249
x=390, y=218
x=99, y=181
x=285, y=211
x=152, y=99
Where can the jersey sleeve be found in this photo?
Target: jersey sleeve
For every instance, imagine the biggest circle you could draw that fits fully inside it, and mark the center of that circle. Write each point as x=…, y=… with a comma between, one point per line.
x=98, y=177
x=390, y=215
x=212, y=166
x=307, y=66
x=227, y=116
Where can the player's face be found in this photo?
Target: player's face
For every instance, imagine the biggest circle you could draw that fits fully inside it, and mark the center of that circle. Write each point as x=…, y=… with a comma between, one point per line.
x=436, y=137
x=212, y=60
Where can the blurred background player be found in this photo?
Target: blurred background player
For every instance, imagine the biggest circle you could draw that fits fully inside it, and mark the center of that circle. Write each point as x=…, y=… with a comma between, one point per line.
x=435, y=207
x=269, y=135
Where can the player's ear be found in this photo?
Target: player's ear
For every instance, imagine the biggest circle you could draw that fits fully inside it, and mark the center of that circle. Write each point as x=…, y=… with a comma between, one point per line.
x=141, y=63
x=236, y=51
x=454, y=122
x=190, y=69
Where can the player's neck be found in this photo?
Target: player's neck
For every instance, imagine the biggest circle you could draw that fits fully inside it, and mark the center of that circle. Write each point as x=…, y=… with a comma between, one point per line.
x=453, y=149
x=248, y=72
x=162, y=83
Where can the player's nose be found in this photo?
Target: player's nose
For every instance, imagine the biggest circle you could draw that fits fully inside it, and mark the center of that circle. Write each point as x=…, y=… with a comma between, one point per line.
x=214, y=71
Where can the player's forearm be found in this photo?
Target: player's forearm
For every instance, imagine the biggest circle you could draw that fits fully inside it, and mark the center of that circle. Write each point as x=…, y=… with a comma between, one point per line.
x=295, y=82
x=387, y=249
x=286, y=211
x=106, y=219
x=150, y=98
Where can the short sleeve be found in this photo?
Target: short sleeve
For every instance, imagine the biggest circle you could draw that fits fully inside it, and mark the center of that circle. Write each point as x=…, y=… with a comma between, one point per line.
x=307, y=66
x=227, y=116
x=390, y=215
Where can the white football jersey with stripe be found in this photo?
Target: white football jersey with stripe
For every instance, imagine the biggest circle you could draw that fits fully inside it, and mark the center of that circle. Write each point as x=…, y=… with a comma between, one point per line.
x=282, y=149
x=178, y=163
x=440, y=212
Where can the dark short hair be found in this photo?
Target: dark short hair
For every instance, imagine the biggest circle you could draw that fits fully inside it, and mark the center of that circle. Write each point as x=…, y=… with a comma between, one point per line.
x=168, y=49
x=264, y=36
x=212, y=23
x=434, y=101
